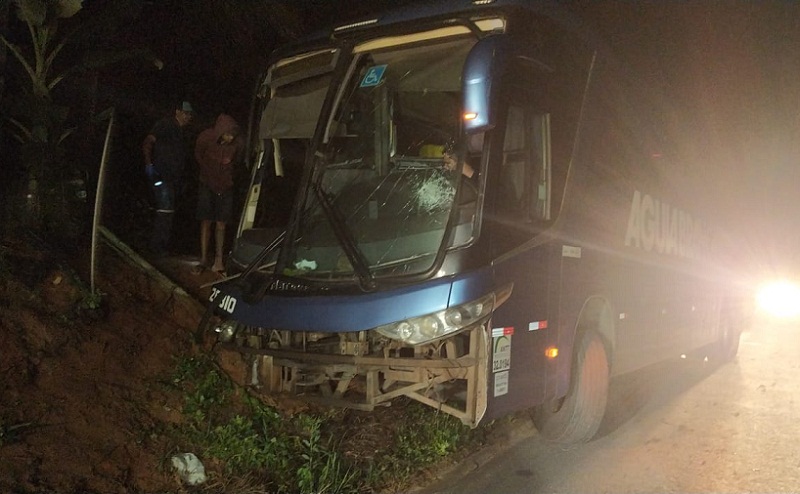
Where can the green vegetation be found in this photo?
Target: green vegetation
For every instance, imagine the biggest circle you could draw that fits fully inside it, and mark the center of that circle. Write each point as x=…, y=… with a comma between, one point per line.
x=426, y=437
x=92, y=303
x=243, y=438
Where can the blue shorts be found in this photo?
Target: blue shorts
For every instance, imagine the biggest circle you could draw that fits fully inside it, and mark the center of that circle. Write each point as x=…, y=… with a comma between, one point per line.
x=212, y=206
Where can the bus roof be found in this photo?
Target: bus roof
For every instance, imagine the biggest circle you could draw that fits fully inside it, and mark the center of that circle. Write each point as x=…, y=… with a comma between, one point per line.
x=416, y=12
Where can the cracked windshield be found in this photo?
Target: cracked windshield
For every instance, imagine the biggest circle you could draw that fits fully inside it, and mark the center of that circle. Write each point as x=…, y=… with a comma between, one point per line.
x=381, y=197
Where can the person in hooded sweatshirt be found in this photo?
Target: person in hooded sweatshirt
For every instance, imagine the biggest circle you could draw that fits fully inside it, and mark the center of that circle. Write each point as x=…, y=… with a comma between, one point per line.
x=217, y=150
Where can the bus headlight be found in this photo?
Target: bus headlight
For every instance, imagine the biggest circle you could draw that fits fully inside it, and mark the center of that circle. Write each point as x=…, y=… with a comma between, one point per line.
x=226, y=330
x=430, y=327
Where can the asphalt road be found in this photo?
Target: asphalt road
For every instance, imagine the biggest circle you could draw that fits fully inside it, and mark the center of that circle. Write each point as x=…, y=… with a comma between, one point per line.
x=677, y=427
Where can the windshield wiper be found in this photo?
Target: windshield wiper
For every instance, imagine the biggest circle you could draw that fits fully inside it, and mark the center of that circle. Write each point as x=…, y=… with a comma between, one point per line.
x=253, y=290
x=360, y=265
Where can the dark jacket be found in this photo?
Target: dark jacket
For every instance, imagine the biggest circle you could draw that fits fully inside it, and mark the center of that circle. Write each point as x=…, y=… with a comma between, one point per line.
x=169, y=156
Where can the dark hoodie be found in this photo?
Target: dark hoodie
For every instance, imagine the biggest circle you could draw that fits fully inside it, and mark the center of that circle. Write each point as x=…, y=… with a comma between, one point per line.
x=215, y=158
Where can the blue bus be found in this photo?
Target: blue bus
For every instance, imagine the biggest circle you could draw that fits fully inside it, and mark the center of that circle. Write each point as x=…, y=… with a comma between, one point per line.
x=486, y=217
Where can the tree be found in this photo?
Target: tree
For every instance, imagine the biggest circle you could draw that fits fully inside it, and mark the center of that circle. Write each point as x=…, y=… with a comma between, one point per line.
x=32, y=117
x=32, y=114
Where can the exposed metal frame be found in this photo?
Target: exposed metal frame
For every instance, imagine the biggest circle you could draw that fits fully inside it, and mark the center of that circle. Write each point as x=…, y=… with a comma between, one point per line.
x=382, y=378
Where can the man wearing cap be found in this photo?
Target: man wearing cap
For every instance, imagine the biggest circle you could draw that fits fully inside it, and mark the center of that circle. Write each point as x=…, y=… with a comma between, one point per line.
x=164, y=159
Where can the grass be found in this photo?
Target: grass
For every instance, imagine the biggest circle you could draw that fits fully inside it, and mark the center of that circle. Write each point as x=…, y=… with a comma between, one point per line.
x=238, y=436
x=249, y=439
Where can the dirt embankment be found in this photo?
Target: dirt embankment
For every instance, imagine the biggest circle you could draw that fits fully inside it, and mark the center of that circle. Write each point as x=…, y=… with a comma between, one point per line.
x=83, y=398
x=87, y=403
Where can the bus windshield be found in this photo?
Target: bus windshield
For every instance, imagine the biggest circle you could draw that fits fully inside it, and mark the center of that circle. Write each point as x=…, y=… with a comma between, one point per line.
x=380, y=199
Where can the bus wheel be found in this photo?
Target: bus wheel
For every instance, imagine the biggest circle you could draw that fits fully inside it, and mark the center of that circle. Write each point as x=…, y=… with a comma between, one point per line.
x=576, y=417
x=728, y=344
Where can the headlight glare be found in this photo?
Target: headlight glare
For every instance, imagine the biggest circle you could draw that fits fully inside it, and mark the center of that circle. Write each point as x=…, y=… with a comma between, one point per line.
x=780, y=299
x=405, y=330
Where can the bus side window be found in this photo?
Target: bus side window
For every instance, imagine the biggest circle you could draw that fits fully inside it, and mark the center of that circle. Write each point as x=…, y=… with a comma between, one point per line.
x=541, y=167
x=512, y=175
x=525, y=175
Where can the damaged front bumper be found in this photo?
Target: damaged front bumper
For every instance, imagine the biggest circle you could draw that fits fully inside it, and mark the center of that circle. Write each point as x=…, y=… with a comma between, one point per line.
x=449, y=376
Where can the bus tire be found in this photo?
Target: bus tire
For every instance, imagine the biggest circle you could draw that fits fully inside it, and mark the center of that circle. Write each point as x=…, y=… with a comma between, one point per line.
x=576, y=417
x=728, y=344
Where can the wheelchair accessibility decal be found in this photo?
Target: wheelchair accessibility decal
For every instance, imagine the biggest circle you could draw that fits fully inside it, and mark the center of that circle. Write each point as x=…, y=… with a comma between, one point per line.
x=373, y=76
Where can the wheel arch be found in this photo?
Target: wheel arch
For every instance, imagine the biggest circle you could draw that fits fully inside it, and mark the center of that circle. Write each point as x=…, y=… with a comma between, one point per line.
x=596, y=314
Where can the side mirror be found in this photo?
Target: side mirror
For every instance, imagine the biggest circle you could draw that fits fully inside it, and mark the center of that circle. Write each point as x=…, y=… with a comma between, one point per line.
x=482, y=68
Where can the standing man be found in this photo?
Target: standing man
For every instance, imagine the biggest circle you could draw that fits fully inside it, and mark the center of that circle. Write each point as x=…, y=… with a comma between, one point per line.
x=217, y=150
x=164, y=159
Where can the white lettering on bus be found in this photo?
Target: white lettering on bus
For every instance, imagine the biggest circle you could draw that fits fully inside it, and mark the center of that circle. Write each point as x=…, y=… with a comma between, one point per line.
x=654, y=225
